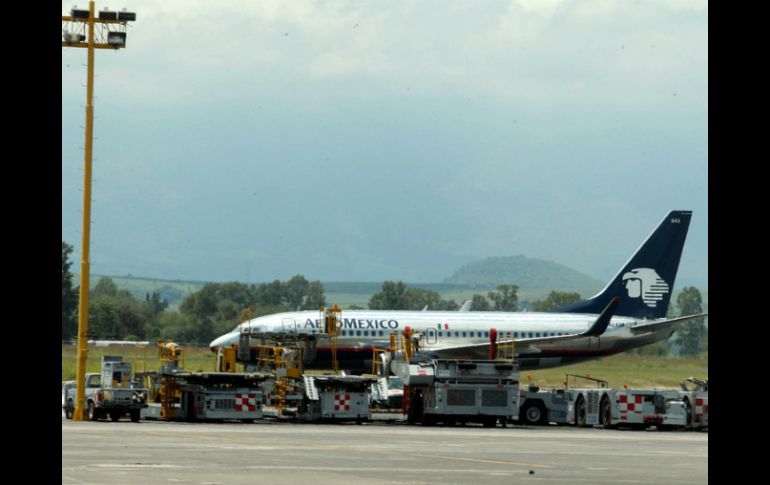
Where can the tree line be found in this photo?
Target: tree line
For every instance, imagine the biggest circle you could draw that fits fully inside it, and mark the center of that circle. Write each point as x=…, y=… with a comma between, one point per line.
x=115, y=314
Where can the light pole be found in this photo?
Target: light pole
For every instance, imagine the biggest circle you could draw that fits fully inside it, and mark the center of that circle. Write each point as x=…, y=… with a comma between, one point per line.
x=111, y=34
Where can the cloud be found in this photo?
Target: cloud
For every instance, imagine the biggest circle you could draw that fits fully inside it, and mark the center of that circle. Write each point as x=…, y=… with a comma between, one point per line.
x=450, y=129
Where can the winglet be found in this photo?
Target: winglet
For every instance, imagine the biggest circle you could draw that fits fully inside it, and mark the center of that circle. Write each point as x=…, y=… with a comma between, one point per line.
x=466, y=306
x=603, y=321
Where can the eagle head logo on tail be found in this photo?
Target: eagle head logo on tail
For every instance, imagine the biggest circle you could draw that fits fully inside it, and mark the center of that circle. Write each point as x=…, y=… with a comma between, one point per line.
x=647, y=284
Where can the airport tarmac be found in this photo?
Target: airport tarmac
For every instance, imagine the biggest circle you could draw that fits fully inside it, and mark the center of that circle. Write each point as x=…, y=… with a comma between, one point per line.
x=151, y=452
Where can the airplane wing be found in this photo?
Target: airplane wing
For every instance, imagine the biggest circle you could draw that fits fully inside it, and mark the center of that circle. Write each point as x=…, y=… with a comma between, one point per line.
x=596, y=329
x=653, y=326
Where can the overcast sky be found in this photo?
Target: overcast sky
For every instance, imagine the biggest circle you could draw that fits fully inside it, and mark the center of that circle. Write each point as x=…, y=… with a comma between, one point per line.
x=371, y=140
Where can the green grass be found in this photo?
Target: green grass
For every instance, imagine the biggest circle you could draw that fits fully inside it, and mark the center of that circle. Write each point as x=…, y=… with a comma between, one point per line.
x=146, y=358
x=632, y=370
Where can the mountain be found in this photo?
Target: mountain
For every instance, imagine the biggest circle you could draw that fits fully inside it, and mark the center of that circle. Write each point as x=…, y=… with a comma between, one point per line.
x=524, y=272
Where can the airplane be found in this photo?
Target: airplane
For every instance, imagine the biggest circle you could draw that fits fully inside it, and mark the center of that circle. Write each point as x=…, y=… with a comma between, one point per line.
x=628, y=313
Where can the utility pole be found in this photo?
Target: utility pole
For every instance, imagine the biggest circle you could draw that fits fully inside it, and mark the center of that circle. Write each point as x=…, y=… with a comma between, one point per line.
x=111, y=34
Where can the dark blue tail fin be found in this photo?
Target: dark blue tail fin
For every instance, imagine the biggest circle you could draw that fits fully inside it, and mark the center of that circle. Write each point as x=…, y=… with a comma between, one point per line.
x=646, y=281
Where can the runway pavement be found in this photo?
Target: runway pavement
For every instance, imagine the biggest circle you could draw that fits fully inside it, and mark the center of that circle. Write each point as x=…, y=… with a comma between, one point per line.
x=151, y=452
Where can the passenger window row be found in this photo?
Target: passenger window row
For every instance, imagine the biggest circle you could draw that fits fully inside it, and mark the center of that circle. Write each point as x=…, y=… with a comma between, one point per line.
x=515, y=334
x=456, y=334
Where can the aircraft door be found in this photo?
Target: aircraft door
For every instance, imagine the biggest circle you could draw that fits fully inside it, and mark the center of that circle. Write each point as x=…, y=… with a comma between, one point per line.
x=431, y=336
x=290, y=325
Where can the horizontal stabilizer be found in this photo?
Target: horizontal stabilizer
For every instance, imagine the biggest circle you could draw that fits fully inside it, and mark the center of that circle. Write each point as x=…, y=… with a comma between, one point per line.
x=653, y=326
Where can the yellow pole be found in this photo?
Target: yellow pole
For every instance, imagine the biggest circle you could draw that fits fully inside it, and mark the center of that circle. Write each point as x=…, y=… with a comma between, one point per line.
x=79, y=414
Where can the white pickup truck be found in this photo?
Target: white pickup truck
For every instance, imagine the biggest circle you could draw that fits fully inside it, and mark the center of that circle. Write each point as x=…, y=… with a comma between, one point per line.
x=109, y=393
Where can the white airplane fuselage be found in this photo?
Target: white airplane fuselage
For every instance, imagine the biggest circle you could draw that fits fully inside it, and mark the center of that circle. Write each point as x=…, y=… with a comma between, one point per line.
x=360, y=330
x=629, y=312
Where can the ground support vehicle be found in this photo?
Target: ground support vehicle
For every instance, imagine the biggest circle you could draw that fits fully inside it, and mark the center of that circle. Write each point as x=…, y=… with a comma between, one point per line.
x=695, y=395
x=209, y=396
x=542, y=406
x=321, y=397
x=390, y=398
x=635, y=408
x=459, y=391
x=337, y=397
x=604, y=406
x=108, y=393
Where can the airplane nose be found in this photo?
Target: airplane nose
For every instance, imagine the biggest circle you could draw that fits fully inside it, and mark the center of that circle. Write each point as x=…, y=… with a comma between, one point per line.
x=223, y=341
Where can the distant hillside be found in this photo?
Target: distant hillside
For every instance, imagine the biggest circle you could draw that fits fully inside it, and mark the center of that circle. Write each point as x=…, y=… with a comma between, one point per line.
x=346, y=293
x=173, y=291
x=524, y=272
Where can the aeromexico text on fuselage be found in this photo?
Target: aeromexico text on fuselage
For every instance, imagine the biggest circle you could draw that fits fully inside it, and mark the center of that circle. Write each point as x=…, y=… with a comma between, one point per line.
x=360, y=324
x=392, y=324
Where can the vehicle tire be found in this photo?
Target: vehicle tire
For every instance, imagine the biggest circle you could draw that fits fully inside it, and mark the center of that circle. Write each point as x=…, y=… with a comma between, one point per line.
x=688, y=417
x=580, y=412
x=114, y=416
x=91, y=411
x=605, y=417
x=534, y=413
x=69, y=409
x=490, y=422
x=416, y=411
x=134, y=415
x=411, y=415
